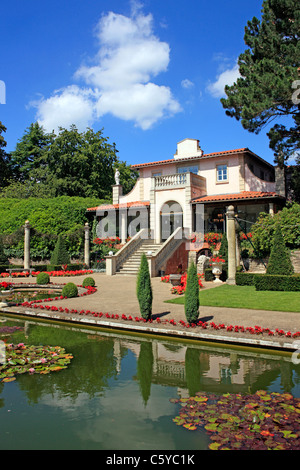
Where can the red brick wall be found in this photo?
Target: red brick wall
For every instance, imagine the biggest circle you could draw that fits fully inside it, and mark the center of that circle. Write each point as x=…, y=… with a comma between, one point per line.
x=180, y=256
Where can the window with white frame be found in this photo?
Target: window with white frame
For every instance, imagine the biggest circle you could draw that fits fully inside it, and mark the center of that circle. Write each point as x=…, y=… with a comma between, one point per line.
x=222, y=174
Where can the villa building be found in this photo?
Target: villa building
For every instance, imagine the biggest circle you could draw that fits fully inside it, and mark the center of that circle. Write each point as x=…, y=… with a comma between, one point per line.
x=191, y=192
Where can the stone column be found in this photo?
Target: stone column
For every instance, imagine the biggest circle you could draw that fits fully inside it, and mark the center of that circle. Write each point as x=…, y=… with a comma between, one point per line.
x=87, y=244
x=231, y=245
x=27, y=245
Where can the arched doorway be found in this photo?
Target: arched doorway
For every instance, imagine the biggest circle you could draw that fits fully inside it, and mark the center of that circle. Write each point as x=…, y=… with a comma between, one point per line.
x=171, y=217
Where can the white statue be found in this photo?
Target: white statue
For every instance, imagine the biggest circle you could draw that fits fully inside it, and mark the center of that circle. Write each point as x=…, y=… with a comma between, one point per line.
x=117, y=177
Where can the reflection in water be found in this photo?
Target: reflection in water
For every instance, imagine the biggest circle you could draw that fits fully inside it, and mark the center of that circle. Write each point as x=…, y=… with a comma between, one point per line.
x=115, y=394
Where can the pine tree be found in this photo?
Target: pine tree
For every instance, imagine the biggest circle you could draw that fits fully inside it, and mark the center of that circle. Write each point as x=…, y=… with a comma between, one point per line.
x=60, y=255
x=191, y=299
x=268, y=71
x=279, y=261
x=144, y=289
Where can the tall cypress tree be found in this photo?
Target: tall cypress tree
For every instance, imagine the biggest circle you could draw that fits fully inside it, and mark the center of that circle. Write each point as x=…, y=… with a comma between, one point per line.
x=60, y=254
x=191, y=298
x=144, y=289
x=279, y=261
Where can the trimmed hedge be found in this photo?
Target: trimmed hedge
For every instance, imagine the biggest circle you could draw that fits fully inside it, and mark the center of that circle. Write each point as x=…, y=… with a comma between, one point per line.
x=69, y=267
x=277, y=282
x=274, y=282
x=245, y=279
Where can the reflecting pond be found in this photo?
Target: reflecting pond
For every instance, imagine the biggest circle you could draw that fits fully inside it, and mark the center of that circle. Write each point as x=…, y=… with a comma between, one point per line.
x=116, y=392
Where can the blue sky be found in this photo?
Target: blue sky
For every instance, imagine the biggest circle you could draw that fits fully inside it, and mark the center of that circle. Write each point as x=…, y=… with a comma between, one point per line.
x=149, y=73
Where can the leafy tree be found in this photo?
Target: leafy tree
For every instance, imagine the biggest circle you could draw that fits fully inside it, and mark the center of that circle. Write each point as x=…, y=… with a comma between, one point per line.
x=280, y=261
x=264, y=227
x=60, y=254
x=144, y=289
x=71, y=163
x=5, y=170
x=191, y=298
x=29, y=160
x=268, y=70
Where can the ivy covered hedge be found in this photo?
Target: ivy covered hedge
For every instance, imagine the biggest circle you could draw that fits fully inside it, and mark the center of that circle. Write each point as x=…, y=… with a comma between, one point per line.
x=48, y=218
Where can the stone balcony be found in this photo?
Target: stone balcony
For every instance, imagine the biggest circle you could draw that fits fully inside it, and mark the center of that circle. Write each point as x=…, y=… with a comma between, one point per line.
x=177, y=180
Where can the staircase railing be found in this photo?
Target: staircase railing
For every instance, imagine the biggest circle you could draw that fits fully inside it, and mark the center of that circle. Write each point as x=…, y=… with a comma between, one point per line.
x=157, y=261
x=114, y=262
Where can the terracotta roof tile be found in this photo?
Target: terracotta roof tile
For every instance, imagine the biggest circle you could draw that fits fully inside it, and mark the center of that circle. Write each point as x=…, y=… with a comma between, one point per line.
x=206, y=155
x=119, y=206
x=237, y=196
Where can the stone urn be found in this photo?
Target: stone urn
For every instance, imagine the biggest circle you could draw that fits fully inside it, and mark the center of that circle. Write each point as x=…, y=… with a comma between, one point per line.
x=217, y=265
x=175, y=279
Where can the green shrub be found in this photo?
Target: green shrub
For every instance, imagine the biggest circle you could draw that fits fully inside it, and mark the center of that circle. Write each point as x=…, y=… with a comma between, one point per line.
x=191, y=298
x=280, y=261
x=60, y=256
x=223, y=251
x=70, y=290
x=43, y=278
x=275, y=282
x=88, y=282
x=144, y=289
x=245, y=279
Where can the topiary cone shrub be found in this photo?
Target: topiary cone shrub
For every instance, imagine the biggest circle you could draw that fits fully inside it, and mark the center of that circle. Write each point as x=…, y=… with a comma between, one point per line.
x=191, y=298
x=144, y=289
x=70, y=290
x=279, y=261
x=60, y=254
x=43, y=278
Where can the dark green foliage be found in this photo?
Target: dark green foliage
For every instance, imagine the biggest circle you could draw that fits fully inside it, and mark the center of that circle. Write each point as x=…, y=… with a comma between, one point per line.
x=48, y=218
x=223, y=252
x=245, y=279
x=277, y=282
x=268, y=70
x=3, y=257
x=43, y=278
x=88, y=282
x=71, y=163
x=280, y=261
x=60, y=255
x=70, y=290
x=191, y=298
x=144, y=289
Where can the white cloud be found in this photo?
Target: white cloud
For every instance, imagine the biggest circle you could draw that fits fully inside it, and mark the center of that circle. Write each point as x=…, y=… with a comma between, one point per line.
x=143, y=103
x=228, y=77
x=120, y=76
x=71, y=105
x=186, y=83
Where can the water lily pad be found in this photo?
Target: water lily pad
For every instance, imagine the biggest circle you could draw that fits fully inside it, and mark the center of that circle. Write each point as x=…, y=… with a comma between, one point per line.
x=260, y=421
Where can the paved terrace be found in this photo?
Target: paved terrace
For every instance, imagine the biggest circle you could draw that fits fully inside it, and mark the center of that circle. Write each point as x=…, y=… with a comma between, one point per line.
x=117, y=295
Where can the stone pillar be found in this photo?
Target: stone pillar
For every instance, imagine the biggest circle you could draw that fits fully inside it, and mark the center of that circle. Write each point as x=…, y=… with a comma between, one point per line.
x=231, y=245
x=117, y=192
x=27, y=245
x=87, y=245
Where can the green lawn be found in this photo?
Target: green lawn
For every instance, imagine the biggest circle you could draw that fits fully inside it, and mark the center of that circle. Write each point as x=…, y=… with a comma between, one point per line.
x=247, y=297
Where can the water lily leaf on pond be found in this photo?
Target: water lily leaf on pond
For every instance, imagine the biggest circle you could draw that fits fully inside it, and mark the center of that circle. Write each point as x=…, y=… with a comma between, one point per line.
x=259, y=421
x=33, y=359
x=9, y=379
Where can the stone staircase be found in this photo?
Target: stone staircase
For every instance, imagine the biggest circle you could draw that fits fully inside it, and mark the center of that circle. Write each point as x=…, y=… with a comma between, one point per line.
x=131, y=266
